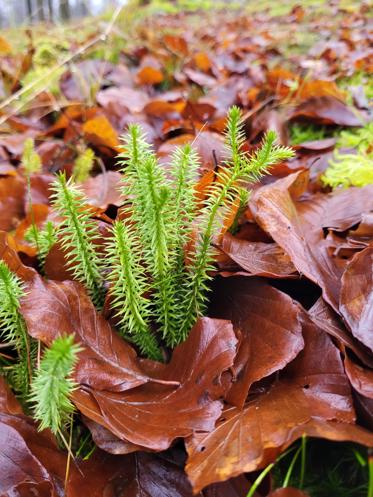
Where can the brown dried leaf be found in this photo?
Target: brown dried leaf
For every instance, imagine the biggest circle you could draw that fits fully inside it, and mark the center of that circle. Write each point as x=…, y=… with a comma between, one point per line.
x=356, y=300
x=257, y=258
x=311, y=397
x=269, y=322
x=146, y=416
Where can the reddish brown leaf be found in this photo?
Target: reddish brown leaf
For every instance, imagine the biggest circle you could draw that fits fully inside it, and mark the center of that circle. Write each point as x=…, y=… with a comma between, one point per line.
x=297, y=226
x=12, y=191
x=356, y=301
x=361, y=378
x=10, y=257
x=52, y=309
x=253, y=305
x=138, y=475
x=312, y=397
x=122, y=99
x=108, y=366
x=326, y=319
x=146, y=416
x=103, y=189
x=257, y=258
x=176, y=44
x=326, y=110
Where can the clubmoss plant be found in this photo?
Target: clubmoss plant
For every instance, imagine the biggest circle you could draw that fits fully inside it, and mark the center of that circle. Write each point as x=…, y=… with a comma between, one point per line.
x=161, y=211
x=13, y=331
x=52, y=385
x=159, y=257
x=78, y=234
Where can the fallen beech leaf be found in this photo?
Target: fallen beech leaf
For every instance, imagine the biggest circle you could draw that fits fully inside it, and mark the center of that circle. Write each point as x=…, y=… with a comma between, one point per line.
x=149, y=76
x=326, y=319
x=269, y=321
x=40, y=188
x=76, y=84
x=361, y=378
x=30, y=461
x=138, y=475
x=319, y=88
x=99, y=131
x=257, y=258
x=108, y=366
x=311, y=397
x=10, y=257
x=12, y=191
x=200, y=78
x=52, y=309
x=202, y=61
x=103, y=189
x=326, y=110
x=176, y=44
x=210, y=147
x=5, y=48
x=153, y=416
x=162, y=108
x=297, y=226
x=356, y=301
x=122, y=99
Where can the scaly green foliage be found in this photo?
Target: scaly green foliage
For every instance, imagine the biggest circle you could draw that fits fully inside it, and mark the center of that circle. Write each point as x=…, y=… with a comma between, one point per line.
x=52, y=385
x=149, y=210
x=129, y=288
x=241, y=168
x=347, y=169
x=83, y=165
x=30, y=159
x=13, y=329
x=78, y=234
x=161, y=212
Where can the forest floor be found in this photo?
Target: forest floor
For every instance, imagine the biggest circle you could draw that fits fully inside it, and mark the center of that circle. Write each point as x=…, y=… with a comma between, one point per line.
x=289, y=413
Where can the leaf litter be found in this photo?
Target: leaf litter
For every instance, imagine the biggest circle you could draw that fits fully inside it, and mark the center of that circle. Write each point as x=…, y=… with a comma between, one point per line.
x=266, y=365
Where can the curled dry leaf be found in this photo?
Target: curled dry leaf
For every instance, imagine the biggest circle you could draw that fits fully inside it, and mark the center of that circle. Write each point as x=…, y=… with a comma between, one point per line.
x=12, y=192
x=326, y=319
x=103, y=189
x=99, y=131
x=10, y=257
x=180, y=397
x=269, y=322
x=258, y=258
x=311, y=397
x=326, y=110
x=154, y=415
x=52, y=309
x=361, y=378
x=356, y=300
x=297, y=226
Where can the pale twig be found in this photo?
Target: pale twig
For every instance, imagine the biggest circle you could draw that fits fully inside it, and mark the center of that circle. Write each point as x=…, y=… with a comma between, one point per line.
x=101, y=37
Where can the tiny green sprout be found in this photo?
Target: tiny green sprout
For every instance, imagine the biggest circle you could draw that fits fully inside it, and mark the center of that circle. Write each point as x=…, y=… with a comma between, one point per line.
x=30, y=160
x=83, y=165
x=52, y=385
